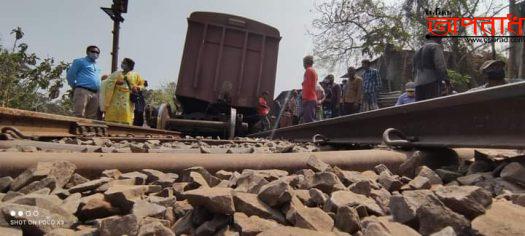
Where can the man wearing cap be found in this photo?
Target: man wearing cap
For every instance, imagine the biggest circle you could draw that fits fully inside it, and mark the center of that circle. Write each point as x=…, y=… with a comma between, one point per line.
x=408, y=96
x=430, y=69
x=353, y=92
x=494, y=73
x=309, y=97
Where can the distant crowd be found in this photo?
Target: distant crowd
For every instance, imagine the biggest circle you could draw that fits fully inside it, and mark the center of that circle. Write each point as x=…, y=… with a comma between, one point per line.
x=117, y=97
x=327, y=99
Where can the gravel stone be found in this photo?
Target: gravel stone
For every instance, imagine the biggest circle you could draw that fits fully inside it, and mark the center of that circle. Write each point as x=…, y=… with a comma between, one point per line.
x=154, y=228
x=389, y=182
x=433, y=216
x=347, y=220
x=327, y=182
x=5, y=182
x=469, y=201
x=432, y=176
x=317, y=165
x=217, y=200
x=502, y=218
x=313, y=218
x=252, y=225
x=249, y=204
x=514, y=172
x=339, y=199
x=118, y=225
x=275, y=193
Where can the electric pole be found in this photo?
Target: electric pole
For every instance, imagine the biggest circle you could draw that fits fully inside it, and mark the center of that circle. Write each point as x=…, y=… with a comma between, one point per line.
x=115, y=13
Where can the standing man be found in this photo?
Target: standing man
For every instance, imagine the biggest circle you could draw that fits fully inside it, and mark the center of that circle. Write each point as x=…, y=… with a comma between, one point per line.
x=408, y=96
x=84, y=78
x=371, y=86
x=353, y=93
x=336, y=96
x=344, y=83
x=430, y=69
x=309, y=97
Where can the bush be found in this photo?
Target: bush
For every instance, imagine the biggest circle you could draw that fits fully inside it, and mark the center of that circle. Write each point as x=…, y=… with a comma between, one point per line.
x=30, y=83
x=459, y=81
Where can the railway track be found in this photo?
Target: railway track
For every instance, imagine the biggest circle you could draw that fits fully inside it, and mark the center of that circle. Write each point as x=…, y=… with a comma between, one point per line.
x=136, y=181
x=489, y=118
x=37, y=125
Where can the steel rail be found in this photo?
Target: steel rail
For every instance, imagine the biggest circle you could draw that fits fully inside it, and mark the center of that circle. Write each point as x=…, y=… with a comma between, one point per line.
x=38, y=124
x=92, y=164
x=489, y=118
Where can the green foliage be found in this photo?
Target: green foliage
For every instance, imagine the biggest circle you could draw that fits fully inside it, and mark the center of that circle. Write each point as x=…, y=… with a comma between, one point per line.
x=28, y=82
x=165, y=94
x=459, y=81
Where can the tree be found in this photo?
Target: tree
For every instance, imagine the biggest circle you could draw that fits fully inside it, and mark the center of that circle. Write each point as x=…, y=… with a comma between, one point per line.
x=352, y=29
x=349, y=29
x=28, y=82
x=18, y=35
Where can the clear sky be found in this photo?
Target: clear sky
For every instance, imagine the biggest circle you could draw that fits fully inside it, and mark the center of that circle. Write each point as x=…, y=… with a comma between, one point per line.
x=153, y=32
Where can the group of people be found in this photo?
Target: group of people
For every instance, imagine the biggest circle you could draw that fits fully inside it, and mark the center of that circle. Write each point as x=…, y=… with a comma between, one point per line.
x=328, y=99
x=114, y=98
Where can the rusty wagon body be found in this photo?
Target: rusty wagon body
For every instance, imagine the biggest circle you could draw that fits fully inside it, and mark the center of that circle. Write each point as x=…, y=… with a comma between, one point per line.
x=228, y=61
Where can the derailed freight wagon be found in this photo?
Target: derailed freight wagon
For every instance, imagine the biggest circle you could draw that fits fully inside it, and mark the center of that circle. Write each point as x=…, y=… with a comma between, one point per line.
x=228, y=61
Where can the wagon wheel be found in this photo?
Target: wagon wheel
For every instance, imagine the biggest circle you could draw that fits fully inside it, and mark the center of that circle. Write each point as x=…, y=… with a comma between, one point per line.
x=163, y=115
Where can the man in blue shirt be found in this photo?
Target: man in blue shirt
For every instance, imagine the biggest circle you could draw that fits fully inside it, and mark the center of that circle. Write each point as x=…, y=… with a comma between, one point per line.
x=409, y=96
x=84, y=78
x=371, y=87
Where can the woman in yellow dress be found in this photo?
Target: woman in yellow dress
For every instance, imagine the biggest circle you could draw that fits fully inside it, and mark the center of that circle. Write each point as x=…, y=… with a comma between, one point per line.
x=117, y=90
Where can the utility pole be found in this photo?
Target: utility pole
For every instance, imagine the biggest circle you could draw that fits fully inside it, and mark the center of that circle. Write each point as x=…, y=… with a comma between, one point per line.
x=115, y=13
x=514, y=47
x=521, y=58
